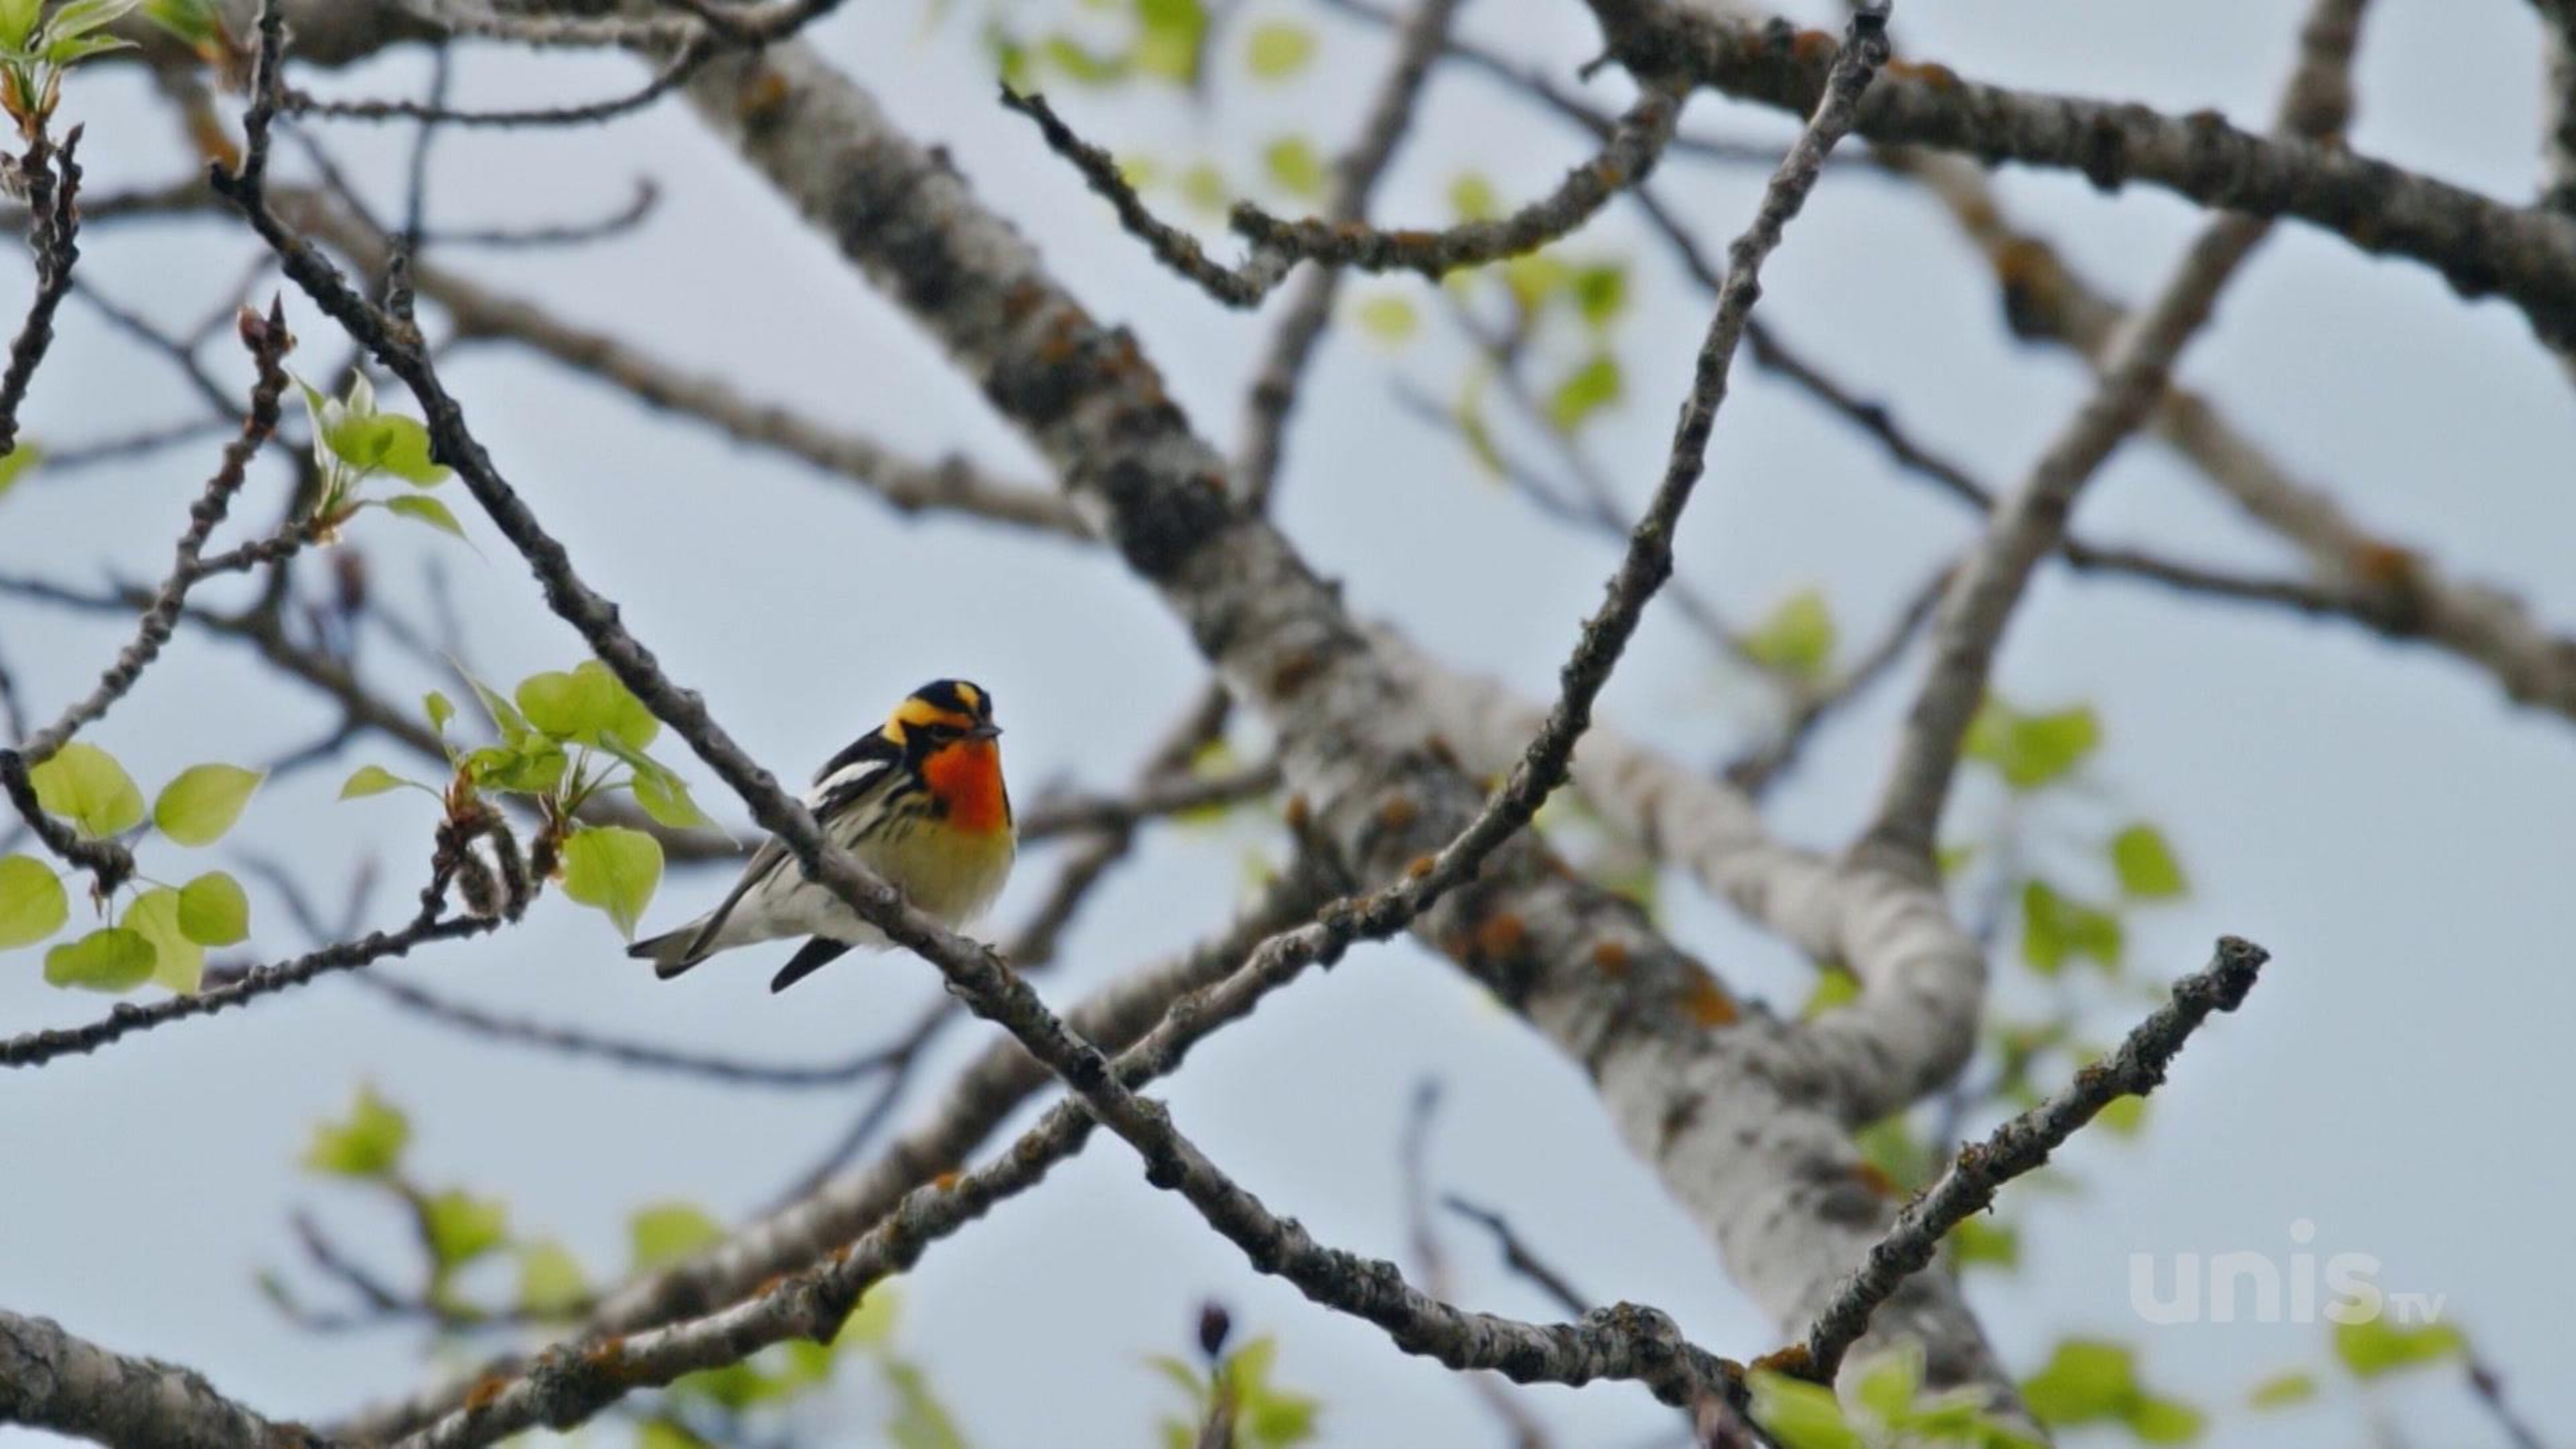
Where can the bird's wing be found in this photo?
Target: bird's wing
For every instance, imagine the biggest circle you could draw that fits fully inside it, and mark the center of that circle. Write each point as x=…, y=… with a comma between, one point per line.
x=850, y=777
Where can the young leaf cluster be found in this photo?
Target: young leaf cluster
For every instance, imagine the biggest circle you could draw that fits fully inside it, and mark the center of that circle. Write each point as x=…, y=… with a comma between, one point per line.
x=163, y=931
x=1888, y=1406
x=353, y=444
x=37, y=47
x=565, y=738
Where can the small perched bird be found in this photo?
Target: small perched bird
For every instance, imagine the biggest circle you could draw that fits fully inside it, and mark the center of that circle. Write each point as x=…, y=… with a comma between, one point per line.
x=920, y=800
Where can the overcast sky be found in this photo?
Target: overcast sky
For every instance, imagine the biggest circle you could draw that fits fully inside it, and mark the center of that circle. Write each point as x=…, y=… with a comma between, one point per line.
x=2380, y=817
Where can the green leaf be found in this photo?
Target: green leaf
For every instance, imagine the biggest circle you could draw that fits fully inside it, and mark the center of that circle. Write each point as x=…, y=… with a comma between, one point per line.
x=1276, y=1420
x=1585, y=391
x=369, y=1143
x=614, y=869
x=586, y=704
x=1389, y=319
x=1889, y=1382
x=1080, y=64
x=1835, y=987
x=440, y=710
x=1294, y=166
x=177, y=962
x=663, y=1233
x=213, y=911
x=15, y=463
x=1473, y=198
x=1889, y=1145
x=1183, y=1376
x=422, y=507
x=1796, y=637
x=1536, y=278
x=33, y=904
x=461, y=1227
x=2125, y=1115
x=667, y=1434
x=1204, y=188
x=386, y=443
x=2056, y=926
x=111, y=959
x=2165, y=1421
x=2282, y=1390
x=1982, y=1240
x=535, y=767
x=871, y=1324
x=920, y=1420
x=1278, y=49
x=551, y=1283
x=196, y=22
x=85, y=785
x=666, y=799
x=2380, y=1346
x=513, y=726
x=2085, y=1381
x=199, y=806
x=1601, y=292
x=1799, y=1414
x=373, y=780
x=1170, y=37
x=2032, y=750
x=2146, y=865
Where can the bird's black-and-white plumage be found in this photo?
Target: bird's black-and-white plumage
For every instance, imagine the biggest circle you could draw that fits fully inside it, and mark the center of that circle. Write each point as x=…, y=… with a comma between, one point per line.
x=875, y=800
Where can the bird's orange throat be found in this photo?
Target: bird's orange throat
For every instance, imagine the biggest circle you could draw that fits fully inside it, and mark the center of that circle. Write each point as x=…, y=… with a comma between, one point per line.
x=966, y=778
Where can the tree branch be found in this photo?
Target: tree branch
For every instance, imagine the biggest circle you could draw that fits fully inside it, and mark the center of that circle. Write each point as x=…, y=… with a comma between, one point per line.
x=52, y=1380
x=2023, y=1144
x=2480, y=245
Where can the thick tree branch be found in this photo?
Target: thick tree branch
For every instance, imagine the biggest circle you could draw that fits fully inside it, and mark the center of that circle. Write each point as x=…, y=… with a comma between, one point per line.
x=2480, y=245
x=50, y=1379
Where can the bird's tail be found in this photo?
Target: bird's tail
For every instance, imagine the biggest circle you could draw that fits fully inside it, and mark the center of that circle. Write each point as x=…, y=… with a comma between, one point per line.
x=672, y=952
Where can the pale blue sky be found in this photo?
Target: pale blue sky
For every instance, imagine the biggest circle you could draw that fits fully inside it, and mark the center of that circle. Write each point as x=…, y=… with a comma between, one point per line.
x=2378, y=816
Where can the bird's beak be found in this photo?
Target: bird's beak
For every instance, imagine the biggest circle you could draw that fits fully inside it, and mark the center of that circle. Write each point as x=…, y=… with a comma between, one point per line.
x=986, y=731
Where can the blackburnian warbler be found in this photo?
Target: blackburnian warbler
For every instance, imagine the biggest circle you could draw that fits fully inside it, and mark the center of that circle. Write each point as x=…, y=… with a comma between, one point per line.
x=919, y=800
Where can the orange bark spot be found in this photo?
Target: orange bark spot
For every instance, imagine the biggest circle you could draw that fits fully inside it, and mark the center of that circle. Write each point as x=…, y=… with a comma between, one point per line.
x=485, y=1390
x=1813, y=47
x=1706, y=1003
x=762, y=96
x=1293, y=671
x=1501, y=937
x=1610, y=958
x=947, y=1181
x=2385, y=565
x=1792, y=1361
x=1420, y=867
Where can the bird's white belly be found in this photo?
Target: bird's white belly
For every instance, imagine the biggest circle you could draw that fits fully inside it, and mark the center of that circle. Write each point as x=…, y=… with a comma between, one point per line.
x=951, y=878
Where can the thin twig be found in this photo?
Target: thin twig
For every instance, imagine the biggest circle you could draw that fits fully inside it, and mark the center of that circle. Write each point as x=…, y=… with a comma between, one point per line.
x=1310, y=309
x=52, y=179
x=2023, y=1144
x=1276, y=244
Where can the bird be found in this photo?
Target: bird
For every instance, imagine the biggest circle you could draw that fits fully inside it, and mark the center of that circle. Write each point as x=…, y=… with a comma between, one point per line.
x=920, y=800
